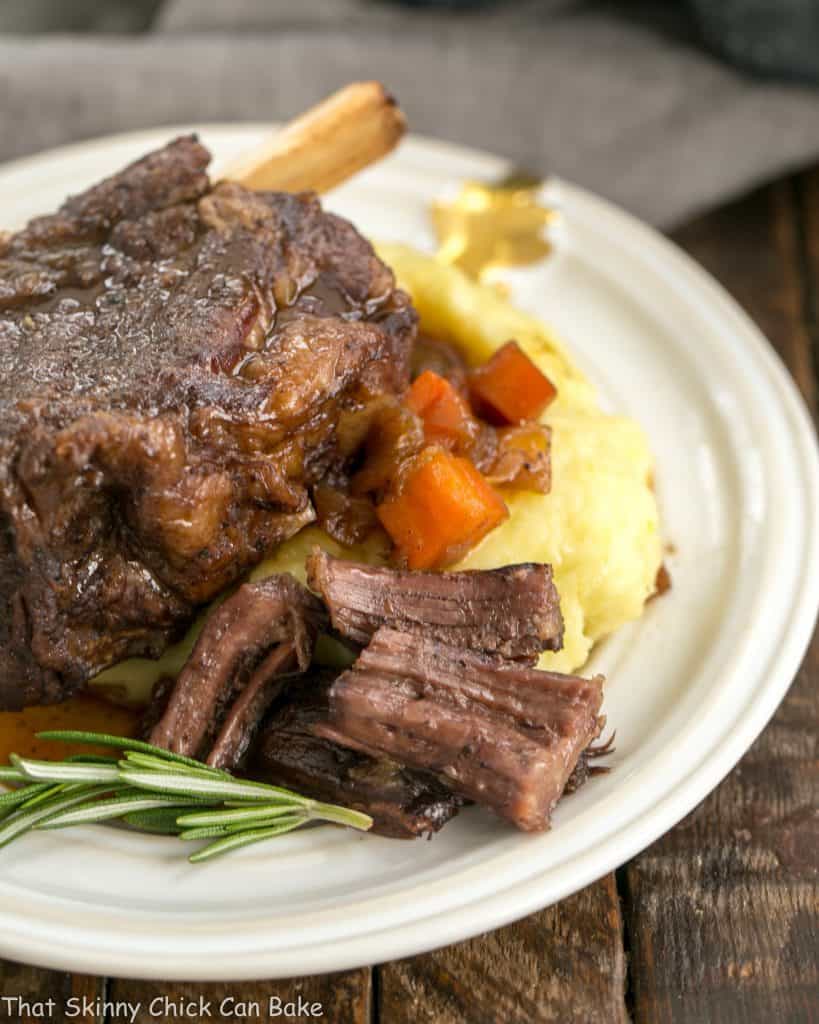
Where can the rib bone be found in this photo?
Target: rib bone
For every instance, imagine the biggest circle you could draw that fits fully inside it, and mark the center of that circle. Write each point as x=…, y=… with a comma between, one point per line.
x=323, y=147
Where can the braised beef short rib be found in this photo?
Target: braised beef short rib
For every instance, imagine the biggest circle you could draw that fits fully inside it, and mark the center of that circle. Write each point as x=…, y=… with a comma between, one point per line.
x=175, y=358
x=501, y=734
x=403, y=803
x=514, y=611
x=249, y=647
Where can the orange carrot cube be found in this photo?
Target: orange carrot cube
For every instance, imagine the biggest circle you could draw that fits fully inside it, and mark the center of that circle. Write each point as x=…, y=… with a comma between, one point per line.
x=509, y=388
x=443, y=508
x=446, y=416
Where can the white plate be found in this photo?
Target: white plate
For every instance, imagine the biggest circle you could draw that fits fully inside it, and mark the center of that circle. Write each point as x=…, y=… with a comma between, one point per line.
x=691, y=684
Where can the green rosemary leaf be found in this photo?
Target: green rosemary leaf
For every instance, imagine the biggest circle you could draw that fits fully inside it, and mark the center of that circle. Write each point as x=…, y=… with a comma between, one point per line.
x=234, y=842
x=107, y=810
x=22, y=821
x=268, y=792
x=63, y=789
x=160, y=822
x=90, y=759
x=101, y=739
x=51, y=790
x=279, y=822
x=135, y=760
x=19, y=796
x=263, y=823
x=341, y=816
x=216, y=789
x=203, y=833
x=59, y=771
x=232, y=817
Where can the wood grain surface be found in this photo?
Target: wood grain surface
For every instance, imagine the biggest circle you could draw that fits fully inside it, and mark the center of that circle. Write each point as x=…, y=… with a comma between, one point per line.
x=718, y=921
x=565, y=964
x=722, y=913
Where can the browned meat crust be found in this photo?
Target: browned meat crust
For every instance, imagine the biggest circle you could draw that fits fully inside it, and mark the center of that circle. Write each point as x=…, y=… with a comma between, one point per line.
x=514, y=611
x=403, y=803
x=174, y=362
x=442, y=358
x=501, y=734
x=586, y=766
x=250, y=644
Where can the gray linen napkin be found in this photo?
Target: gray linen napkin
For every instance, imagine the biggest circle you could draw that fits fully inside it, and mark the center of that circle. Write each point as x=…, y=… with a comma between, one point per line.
x=618, y=104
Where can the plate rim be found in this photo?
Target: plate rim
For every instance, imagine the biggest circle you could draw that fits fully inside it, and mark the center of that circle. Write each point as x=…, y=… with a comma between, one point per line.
x=598, y=858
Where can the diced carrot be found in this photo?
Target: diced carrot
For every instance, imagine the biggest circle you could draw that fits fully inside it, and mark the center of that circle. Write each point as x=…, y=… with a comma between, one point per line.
x=446, y=416
x=443, y=508
x=509, y=388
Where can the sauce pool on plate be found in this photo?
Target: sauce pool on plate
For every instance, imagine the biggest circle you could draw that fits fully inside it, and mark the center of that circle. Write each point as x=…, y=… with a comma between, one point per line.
x=18, y=729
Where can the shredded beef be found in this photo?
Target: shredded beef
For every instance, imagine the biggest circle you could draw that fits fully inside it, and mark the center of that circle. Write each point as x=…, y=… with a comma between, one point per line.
x=258, y=637
x=514, y=611
x=503, y=735
x=403, y=803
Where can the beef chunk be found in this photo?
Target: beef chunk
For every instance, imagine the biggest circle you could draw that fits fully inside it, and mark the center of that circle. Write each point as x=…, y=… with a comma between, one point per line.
x=514, y=611
x=175, y=358
x=344, y=517
x=440, y=357
x=403, y=803
x=250, y=644
x=501, y=734
x=521, y=458
x=586, y=767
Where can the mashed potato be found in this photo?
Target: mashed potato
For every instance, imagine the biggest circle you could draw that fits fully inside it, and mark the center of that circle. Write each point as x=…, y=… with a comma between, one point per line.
x=598, y=527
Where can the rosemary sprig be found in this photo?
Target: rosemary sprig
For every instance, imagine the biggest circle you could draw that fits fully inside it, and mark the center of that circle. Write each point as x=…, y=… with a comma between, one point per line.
x=134, y=760
x=63, y=771
x=18, y=796
x=232, y=817
x=159, y=822
x=103, y=739
x=155, y=791
x=26, y=818
x=117, y=806
x=234, y=842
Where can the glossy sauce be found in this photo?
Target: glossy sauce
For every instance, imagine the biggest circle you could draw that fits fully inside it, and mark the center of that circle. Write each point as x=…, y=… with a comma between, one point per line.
x=18, y=728
x=486, y=227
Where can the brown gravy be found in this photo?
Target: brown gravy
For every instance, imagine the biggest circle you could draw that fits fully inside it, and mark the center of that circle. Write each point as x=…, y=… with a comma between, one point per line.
x=18, y=728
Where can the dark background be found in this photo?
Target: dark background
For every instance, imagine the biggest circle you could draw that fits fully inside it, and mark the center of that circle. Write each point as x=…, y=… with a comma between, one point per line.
x=668, y=108
x=774, y=37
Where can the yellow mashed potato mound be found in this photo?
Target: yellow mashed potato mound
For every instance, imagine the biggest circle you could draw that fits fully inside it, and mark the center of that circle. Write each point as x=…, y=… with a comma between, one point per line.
x=599, y=526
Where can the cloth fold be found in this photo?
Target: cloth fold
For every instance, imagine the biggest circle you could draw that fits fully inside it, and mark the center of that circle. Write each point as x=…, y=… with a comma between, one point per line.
x=637, y=114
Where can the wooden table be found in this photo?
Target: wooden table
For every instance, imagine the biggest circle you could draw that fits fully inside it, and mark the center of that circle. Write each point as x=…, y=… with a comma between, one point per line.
x=718, y=921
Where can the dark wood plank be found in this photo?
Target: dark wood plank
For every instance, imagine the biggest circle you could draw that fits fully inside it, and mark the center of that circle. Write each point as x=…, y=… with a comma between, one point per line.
x=808, y=210
x=25, y=993
x=343, y=998
x=722, y=914
x=565, y=964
